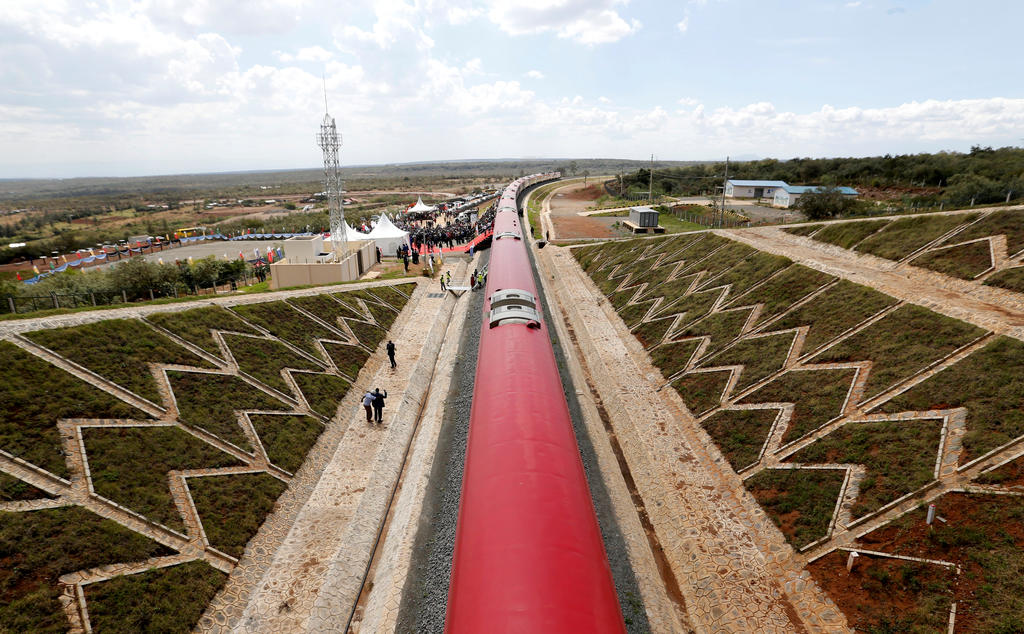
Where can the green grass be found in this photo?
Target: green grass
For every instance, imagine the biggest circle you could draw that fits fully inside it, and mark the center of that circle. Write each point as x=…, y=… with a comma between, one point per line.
x=803, y=230
x=701, y=391
x=899, y=457
x=209, y=401
x=817, y=397
x=15, y=490
x=129, y=465
x=194, y=325
x=759, y=357
x=725, y=258
x=984, y=536
x=37, y=547
x=382, y=313
x=740, y=434
x=966, y=261
x=835, y=311
x=633, y=313
x=170, y=600
x=989, y=383
x=907, y=235
x=348, y=358
x=676, y=225
x=783, y=290
x=1008, y=222
x=326, y=308
x=1010, y=279
x=287, y=438
x=672, y=357
x=753, y=269
x=721, y=327
x=799, y=501
x=1009, y=474
x=901, y=344
x=232, y=507
x=34, y=395
x=323, y=392
x=395, y=296
x=283, y=321
x=370, y=335
x=652, y=332
x=119, y=350
x=848, y=234
x=263, y=359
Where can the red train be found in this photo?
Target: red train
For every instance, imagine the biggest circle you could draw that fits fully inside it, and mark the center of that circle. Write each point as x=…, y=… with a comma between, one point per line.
x=528, y=551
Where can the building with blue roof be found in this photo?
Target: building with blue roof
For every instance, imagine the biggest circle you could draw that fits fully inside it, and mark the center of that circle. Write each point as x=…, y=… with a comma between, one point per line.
x=738, y=188
x=787, y=195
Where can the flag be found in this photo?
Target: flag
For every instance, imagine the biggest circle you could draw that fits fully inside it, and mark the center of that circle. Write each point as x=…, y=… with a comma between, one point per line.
x=240, y=256
x=160, y=260
x=190, y=260
x=65, y=258
x=51, y=264
x=19, y=275
x=270, y=255
x=256, y=252
x=36, y=269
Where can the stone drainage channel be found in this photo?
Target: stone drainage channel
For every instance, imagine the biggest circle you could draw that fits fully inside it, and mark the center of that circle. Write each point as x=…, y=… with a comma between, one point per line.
x=424, y=592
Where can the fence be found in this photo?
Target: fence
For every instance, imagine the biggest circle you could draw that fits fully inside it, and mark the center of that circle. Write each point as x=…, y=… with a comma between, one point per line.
x=31, y=303
x=709, y=220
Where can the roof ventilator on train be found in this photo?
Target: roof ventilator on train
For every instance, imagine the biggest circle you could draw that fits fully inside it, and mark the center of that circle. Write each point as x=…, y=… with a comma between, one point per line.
x=509, y=234
x=514, y=306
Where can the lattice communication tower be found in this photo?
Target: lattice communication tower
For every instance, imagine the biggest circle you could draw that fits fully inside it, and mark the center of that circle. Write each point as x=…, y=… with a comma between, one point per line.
x=330, y=142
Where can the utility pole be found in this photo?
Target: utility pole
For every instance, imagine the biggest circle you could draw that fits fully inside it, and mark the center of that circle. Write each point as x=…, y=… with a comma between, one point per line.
x=721, y=216
x=650, y=184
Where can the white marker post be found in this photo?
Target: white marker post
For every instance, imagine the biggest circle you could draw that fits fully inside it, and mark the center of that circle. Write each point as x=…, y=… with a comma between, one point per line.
x=849, y=561
x=931, y=514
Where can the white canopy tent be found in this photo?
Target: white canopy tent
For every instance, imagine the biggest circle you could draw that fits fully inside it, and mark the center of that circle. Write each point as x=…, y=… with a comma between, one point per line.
x=420, y=207
x=387, y=236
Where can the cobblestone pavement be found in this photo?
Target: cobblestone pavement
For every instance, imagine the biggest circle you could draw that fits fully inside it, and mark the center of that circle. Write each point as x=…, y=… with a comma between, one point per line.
x=734, y=568
x=313, y=578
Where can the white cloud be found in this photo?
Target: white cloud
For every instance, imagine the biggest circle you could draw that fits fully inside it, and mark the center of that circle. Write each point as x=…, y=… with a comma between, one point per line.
x=584, y=21
x=307, y=54
x=534, y=74
x=604, y=100
x=688, y=101
x=852, y=5
x=683, y=25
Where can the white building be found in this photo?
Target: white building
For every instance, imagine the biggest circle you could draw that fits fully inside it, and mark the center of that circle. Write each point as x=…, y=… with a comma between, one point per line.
x=752, y=189
x=787, y=195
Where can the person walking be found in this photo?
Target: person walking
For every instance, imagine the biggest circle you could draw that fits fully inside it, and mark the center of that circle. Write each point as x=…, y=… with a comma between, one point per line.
x=378, y=405
x=391, y=353
x=368, y=405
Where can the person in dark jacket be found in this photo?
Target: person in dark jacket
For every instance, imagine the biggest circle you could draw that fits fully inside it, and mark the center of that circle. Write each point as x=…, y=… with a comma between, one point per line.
x=391, y=353
x=378, y=405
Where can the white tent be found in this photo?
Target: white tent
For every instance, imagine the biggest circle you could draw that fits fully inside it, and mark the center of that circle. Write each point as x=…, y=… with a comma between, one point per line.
x=419, y=206
x=351, y=235
x=387, y=236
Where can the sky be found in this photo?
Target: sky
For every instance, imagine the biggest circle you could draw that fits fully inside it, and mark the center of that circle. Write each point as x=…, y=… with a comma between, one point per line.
x=135, y=87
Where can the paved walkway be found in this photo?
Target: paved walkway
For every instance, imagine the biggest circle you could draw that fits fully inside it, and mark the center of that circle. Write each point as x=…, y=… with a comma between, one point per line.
x=313, y=579
x=735, y=570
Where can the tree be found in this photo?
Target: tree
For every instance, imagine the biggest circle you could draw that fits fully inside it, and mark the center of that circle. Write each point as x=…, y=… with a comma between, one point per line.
x=573, y=167
x=824, y=202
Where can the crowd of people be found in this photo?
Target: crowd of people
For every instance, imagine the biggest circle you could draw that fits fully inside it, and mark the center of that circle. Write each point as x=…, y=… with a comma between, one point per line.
x=444, y=229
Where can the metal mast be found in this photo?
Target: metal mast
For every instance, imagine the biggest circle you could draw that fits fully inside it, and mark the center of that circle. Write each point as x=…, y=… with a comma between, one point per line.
x=330, y=142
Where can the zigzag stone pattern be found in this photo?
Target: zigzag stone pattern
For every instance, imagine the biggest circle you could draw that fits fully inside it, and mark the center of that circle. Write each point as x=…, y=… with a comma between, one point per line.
x=842, y=408
x=146, y=447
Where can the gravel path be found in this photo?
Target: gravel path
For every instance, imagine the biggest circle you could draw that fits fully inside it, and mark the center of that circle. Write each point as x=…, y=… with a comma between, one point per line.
x=426, y=596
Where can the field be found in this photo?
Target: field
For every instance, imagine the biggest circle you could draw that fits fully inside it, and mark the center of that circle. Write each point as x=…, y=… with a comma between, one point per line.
x=191, y=422
x=843, y=408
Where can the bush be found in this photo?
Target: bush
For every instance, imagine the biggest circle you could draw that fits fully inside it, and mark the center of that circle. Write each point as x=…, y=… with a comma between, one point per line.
x=825, y=202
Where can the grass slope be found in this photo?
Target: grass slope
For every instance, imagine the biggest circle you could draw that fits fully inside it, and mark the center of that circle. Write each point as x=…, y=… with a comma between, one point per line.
x=167, y=600
x=263, y=359
x=37, y=547
x=119, y=350
x=287, y=438
x=34, y=395
x=323, y=392
x=209, y=401
x=194, y=325
x=965, y=261
x=817, y=395
x=283, y=321
x=232, y=507
x=848, y=234
x=906, y=235
x=901, y=344
x=899, y=457
x=740, y=434
x=129, y=465
x=835, y=311
x=989, y=383
x=799, y=501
